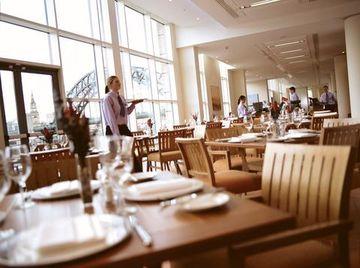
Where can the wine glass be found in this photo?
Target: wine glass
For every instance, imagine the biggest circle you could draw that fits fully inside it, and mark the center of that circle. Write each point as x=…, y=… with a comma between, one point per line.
x=18, y=168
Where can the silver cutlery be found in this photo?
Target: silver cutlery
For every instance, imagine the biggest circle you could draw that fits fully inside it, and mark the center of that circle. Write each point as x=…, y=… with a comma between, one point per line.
x=140, y=231
x=186, y=198
x=178, y=200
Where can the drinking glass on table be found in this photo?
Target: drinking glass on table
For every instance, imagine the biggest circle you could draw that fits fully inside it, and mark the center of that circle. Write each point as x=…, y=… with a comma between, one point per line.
x=18, y=168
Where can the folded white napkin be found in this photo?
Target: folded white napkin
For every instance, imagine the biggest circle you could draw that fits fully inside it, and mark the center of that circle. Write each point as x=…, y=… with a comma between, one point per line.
x=246, y=138
x=157, y=187
x=68, y=187
x=69, y=233
x=64, y=187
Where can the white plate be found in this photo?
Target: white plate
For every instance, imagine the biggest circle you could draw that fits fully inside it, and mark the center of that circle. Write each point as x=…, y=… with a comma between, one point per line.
x=44, y=194
x=206, y=201
x=131, y=194
x=19, y=255
x=143, y=176
x=243, y=140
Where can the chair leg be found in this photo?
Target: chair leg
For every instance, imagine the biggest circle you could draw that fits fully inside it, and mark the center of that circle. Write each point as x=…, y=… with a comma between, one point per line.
x=178, y=170
x=343, y=242
x=161, y=166
x=167, y=166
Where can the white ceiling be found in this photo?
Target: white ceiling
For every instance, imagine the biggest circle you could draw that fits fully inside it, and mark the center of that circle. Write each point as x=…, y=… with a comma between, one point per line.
x=246, y=38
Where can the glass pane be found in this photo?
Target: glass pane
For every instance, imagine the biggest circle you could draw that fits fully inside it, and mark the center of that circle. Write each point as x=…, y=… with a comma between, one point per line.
x=24, y=44
x=127, y=75
x=105, y=21
x=78, y=69
x=74, y=16
x=21, y=8
x=8, y=91
x=160, y=39
x=166, y=115
x=163, y=82
x=143, y=112
x=93, y=112
x=121, y=24
x=140, y=77
x=39, y=101
x=136, y=29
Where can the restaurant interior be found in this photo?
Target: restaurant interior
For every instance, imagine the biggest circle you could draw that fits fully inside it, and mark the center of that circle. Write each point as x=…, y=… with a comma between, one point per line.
x=180, y=133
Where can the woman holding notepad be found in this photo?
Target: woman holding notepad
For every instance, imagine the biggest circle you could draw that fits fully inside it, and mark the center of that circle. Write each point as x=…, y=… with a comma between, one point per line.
x=115, y=108
x=116, y=112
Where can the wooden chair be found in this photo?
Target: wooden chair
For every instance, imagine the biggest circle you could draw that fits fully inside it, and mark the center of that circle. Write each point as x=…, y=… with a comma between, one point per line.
x=345, y=135
x=198, y=165
x=290, y=126
x=304, y=124
x=213, y=124
x=318, y=120
x=340, y=122
x=295, y=181
x=179, y=126
x=138, y=133
x=312, y=183
x=168, y=150
x=239, y=160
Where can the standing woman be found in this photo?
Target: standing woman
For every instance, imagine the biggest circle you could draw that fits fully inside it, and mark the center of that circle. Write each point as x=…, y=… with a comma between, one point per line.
x=242, y=109
x=116, y=113
x=115, y=109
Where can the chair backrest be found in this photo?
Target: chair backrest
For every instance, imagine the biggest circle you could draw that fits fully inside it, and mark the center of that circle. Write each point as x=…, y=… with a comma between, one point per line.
x=196, y=158
x=309, y=181
x=179, y=126
x=337, y=122
x=318, y=120
x=212, y=134
x=167, y=140
x=188, y=132
x=213, y=124
x=290, y=126
x=138, y=133
x=304, y=124
x=51, y=166
x=342, y=135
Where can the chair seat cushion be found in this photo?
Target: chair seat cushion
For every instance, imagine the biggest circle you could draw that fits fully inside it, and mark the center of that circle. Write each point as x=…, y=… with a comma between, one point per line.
x=254, y=163
x=308, y=254
x=209, y=259
x=165, y=156
x=236, y=181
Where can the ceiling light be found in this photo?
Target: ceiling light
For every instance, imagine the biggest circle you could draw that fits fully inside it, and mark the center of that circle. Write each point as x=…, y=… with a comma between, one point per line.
x=289, y=43
x=260, y=3
x=170, y=0
x=297, y=61
x=343, y=52
x=263, y=2
x=295, y=57
x=197, y=18
x=291, y=51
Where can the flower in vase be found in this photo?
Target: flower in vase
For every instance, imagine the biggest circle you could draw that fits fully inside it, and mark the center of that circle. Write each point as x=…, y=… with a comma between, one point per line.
x=48, y=135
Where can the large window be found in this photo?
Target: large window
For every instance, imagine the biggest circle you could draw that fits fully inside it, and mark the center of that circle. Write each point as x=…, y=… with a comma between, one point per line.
x=147, y=67
x=79, y=41
x=224, y=76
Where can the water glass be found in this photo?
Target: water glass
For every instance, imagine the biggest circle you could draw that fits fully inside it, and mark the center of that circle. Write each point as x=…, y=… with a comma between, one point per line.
x=18, y=168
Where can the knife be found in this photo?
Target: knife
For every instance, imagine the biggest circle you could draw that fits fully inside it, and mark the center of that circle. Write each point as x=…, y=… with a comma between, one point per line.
x=178, y=200
x=140, y=231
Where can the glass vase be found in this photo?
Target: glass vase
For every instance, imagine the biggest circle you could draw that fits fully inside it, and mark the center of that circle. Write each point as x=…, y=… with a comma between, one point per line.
x=83, y=175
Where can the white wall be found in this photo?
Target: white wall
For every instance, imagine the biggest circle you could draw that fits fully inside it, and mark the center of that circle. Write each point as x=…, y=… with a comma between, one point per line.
x=258, y=87
x=212, y=75
x=237, y=87
x=190, y=83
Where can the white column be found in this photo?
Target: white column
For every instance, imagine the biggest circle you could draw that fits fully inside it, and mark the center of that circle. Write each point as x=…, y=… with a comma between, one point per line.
x=237, y=87
x=342, y=86
x=333, y=82
x=115, y=41
x=352, y=39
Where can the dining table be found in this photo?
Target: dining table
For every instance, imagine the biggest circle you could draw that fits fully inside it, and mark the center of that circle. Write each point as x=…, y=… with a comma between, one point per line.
x=175, y=233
